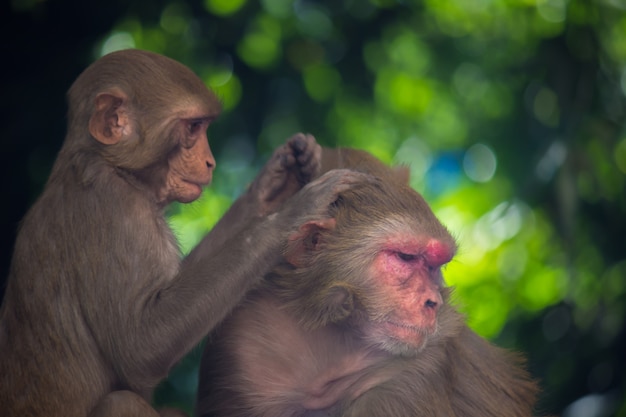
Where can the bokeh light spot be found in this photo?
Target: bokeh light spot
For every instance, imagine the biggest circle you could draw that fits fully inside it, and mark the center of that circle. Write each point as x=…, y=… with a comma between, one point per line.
x=409, y=94
x=223, y=7
x=546, y=107
x=592, y=405
x=174, y=19
x=415, y=154
x=444, y=174
x=543, y=287
x=278, y=8
x=552, y=10
x=512, y=260
x=258, y=50
x=479, y=163
x=551, y=161
x=620, y=155
x=489, y=313
x=500, y=224
x=469, y=81
x=314, y=22
x=227, y=87
x=117, y=42
x=408, y=53
x=321, y=82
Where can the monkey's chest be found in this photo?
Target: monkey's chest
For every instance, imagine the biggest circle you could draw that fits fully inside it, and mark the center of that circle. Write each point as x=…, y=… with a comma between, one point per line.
x=298, y=372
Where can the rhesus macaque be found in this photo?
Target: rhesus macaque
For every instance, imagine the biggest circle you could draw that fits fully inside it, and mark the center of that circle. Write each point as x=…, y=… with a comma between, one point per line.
x=356, y=321
x=98, y=305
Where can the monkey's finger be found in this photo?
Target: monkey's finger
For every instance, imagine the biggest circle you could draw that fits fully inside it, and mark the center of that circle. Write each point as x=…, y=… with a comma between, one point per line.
x=308, y=155
x=303, y=147
x=344, y=176
x=297, y=149
x=312, y=156
x=287, y=160
x=299, y=142
x=318, y=195
x=338, y=180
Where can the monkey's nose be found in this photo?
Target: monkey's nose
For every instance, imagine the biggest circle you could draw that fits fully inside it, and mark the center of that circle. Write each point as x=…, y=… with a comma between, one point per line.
x=438, y=253
x=432, y=300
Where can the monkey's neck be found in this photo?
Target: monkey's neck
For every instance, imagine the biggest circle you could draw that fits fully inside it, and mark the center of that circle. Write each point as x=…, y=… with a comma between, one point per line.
x=351, y=376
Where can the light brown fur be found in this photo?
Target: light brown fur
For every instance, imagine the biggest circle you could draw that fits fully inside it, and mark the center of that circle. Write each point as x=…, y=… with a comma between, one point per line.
x=308, y=343
x=98, y=305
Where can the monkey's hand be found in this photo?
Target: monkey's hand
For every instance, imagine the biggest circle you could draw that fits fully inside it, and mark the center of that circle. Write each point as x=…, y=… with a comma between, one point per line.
x=311, y=203
x=291, y=166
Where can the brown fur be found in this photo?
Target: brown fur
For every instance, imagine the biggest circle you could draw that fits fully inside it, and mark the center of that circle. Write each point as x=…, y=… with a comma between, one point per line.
x=98, y=305
x=301, y=345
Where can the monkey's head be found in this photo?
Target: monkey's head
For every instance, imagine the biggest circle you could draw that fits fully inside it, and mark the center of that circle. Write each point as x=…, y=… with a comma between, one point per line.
x=373, y=268
x=147, y=115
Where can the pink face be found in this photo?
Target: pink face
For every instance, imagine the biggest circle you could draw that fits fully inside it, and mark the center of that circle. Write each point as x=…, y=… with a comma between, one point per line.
x=408, y=271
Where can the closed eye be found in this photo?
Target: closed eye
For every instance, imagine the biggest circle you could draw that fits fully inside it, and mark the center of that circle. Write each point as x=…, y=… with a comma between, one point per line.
x=406, y=257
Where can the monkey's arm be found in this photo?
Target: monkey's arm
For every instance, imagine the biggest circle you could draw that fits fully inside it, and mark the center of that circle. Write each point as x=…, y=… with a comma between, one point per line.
x=206, y=288
x=291, y=166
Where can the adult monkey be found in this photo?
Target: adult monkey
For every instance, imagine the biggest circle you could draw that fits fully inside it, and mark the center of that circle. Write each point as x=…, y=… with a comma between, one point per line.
x=356, y=322
x=98, y=305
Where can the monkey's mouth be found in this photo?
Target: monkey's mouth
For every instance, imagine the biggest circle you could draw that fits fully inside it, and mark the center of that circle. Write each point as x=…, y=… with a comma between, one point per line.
x=408, y=333
x=199, y=184
x=424, y=331
x=188, y=191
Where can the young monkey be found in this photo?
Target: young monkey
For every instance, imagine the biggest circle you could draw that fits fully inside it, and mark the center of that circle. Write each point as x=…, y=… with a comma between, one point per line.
x=99, y=305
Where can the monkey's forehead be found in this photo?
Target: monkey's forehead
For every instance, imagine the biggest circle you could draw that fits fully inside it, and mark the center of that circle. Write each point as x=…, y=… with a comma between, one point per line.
x=195, y=107
x=402, y=230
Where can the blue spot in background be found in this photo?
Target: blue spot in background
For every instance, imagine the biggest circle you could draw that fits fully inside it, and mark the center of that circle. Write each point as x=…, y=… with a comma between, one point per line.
x=444, y=173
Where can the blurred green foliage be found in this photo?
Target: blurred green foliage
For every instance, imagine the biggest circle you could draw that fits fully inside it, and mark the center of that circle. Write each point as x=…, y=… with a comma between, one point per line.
x=511, y=114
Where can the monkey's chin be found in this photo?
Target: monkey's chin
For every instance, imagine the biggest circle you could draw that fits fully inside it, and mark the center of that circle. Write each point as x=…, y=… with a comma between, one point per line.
x=190, y=193
x=404, y=340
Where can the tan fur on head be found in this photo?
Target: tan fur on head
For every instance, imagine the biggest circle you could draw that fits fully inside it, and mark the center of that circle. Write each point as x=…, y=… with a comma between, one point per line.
x=356, y=321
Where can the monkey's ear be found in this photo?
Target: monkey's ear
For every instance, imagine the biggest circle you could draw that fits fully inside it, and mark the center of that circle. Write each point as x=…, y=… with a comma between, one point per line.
x=306, y=240
x=110, y=118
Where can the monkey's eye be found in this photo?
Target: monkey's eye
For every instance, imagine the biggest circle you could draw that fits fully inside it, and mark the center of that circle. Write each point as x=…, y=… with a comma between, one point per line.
x=406, y=257
x=195, y=126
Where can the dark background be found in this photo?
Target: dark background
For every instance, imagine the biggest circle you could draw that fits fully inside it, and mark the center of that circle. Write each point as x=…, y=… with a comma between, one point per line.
x=540, y=84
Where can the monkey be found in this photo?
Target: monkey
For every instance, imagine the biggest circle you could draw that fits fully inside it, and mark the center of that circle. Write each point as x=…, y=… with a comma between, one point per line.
x=99, y=304
x=357, y=321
